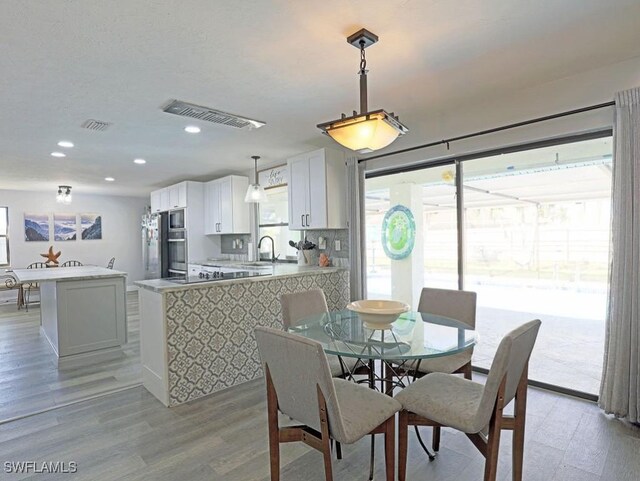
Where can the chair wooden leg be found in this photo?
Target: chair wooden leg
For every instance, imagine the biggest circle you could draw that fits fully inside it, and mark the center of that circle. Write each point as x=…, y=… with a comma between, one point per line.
x=338, y=450
x=390, y=448
x=467, y=371
x=274, y=434
x=403, y=433
x=520, y=413
x=436, y=438
x=493, y=439
x=326, y=437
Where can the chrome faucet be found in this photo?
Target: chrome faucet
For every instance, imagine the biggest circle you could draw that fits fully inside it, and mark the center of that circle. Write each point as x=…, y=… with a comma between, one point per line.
x=273, y=252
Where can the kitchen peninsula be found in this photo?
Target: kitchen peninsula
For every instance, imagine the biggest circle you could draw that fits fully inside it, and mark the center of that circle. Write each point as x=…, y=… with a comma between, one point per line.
x=197, y=338
x=82, y=310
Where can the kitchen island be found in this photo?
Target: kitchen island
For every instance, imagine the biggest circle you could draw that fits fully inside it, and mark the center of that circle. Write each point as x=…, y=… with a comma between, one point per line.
x=197, y=338
x=82, y=311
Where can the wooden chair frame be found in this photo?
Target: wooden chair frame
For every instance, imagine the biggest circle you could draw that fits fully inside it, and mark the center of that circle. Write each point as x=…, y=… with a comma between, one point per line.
x=317, y=440
x=487, y=445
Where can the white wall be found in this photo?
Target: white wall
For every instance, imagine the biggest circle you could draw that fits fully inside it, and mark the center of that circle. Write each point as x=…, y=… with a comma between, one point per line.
x=121, y=231
x=588, y=88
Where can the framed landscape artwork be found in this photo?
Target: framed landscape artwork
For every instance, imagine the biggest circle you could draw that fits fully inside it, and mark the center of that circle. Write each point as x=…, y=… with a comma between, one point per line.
x=36, y=227
x=91, y=226
x=64, y=227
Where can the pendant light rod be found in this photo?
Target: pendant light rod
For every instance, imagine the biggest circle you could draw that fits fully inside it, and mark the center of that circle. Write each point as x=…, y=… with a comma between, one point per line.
x=363, y=79
x=255, y=167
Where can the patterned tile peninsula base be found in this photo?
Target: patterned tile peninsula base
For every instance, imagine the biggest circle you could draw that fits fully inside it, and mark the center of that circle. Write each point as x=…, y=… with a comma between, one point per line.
x=210, y=329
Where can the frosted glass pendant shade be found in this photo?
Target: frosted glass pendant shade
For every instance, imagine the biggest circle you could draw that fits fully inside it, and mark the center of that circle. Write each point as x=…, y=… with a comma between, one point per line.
x=255, y=194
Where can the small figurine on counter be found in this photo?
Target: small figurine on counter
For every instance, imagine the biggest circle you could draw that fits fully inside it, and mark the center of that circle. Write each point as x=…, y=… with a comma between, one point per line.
x=324, y=260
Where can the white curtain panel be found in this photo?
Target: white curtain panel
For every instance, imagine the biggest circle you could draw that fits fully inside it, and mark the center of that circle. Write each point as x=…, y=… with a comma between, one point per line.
x=620, y=388
x=356, y=218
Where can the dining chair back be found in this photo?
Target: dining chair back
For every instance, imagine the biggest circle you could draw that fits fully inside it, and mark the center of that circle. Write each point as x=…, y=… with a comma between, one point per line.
x=454, y=304
x=25, y=299
x=298, y=305
x=299, y=385
x=71, y=264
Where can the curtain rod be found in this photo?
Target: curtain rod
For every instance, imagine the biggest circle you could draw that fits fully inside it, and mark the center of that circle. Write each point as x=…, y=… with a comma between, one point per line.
x=494, y=130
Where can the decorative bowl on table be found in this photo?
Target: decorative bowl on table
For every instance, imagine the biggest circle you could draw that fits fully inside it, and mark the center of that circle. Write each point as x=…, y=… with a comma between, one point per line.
x=378, y=314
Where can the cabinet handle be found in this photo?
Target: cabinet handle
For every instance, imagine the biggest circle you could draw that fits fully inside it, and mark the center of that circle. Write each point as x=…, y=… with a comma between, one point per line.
x=307, y=220
x=302, y=220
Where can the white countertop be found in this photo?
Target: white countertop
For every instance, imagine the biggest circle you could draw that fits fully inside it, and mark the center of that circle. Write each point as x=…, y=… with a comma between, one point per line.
x=65, y=273
x=278, y=270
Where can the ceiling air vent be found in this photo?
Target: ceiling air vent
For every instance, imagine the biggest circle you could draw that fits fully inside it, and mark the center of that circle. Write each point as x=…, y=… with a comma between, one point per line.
x=92, y=124
x=199, y=112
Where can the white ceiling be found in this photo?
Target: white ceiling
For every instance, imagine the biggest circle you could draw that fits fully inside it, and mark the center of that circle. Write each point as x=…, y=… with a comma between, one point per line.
x=283, y=62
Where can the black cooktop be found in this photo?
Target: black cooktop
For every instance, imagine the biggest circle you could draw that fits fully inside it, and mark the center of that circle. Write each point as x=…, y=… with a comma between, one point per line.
x=218, y=276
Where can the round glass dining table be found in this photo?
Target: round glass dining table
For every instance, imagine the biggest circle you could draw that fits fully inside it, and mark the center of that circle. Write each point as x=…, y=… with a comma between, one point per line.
x=413, y=336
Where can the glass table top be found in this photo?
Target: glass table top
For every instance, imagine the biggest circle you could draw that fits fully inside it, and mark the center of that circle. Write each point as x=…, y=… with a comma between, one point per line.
x=414, y=335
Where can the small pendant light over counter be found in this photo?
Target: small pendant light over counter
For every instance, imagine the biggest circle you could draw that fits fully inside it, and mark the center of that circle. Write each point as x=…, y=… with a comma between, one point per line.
x=64, y=194
x=255, y=192
x=365, y=131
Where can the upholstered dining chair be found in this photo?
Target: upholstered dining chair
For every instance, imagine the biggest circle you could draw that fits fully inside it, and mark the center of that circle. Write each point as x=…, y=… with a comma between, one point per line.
x=299, y=305
x=441, y=400
x=31, y=285
x=299, y=385
x=454, y=304
x=71, y=264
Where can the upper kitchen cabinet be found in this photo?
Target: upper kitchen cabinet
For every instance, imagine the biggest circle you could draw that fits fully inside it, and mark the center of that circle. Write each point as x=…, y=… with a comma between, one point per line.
x=169, y=198
x=317, y=186
x=225, y=211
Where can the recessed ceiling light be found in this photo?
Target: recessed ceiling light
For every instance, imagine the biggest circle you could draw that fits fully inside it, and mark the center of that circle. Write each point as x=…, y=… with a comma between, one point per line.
x=192, y=129
x=139, y=161
x=109, y=179
x=65, y=144
x=57, y=154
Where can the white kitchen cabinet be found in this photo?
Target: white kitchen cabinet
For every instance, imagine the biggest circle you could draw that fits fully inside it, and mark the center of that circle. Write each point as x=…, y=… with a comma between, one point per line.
x=225, y=211
x=317, y=190
x=165, y=201
x=178, y=196
x=155, y=201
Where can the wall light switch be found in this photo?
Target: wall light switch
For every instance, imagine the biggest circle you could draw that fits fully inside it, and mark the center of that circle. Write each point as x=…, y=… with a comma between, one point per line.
x=322, y=243
x=337, y=243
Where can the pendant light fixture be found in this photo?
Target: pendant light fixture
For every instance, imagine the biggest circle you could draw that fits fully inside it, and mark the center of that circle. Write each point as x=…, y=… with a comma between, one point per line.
x=255, y=192
x=64, y=194
x=366, y=131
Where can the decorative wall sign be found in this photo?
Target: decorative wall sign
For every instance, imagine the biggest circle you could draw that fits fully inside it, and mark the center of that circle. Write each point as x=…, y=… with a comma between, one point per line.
x=398, y=232
x=64, y=227
x=91, y=226
x=274, y=176
x=36, y=227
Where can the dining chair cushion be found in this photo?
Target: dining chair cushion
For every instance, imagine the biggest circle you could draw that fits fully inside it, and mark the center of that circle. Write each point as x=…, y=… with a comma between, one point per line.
x=446, y=364
x=446, y=399
x=362, y=409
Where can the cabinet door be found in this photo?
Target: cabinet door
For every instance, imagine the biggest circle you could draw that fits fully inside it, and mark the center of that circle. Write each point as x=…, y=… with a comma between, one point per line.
x=155, y=201
x=215, y=206
x=317, y=206
x=182, y=194
x=165, y=203
x=209, y=223
x=174, y=201
x=298, y=192
x=225, y=205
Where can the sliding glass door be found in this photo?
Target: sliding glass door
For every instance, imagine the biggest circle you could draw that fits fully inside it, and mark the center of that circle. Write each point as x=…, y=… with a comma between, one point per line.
x=536, y=245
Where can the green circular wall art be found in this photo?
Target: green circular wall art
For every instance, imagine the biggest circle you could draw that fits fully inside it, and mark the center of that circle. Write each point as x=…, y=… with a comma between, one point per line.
x=398, y=232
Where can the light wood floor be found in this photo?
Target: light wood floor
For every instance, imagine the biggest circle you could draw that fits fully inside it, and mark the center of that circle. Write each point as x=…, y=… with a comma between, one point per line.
x=30, y=380
x=131, y=436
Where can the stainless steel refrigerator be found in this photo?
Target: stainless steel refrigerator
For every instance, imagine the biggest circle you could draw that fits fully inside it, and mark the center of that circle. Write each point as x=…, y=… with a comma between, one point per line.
x=154, y=245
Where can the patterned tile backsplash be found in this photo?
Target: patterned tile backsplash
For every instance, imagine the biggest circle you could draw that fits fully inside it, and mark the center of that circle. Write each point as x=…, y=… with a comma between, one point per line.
x=210, y=329
x=234, y=243
x=339, y=258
